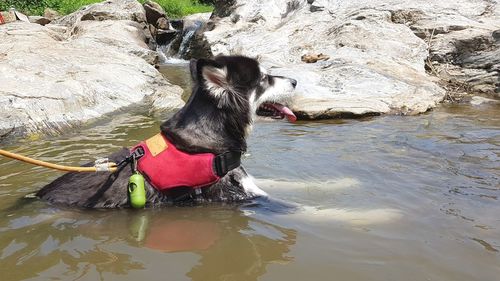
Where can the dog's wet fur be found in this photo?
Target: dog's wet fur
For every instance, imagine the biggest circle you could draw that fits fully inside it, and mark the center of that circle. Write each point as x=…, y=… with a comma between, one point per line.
x=227, y=91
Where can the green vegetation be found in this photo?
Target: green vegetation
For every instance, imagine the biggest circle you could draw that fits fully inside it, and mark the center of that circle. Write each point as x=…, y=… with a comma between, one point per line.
x=180, y=8
x=173, y=8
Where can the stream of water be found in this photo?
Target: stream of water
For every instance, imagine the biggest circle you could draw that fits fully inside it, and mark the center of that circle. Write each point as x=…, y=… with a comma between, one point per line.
x=386, y=198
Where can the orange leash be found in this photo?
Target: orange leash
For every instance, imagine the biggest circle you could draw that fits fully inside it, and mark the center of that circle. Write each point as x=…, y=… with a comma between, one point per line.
x=101, y=165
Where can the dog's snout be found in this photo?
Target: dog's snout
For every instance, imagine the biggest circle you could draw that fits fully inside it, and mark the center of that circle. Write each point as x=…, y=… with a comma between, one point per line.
x=294, y=82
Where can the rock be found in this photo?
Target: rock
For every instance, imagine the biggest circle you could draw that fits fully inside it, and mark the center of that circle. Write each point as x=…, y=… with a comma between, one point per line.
x=191, y=43
x=50, y=14
x=108, y=10
x=477, y=100
x=177, y=24
x=375, y=65
x=162, y=23
x=377, y=61
x=224, y=8
x=153, y=30
x=163, y=37
x=39, y=20
x=471, y=57
x=496, y=35
x=190, y=19
x=58, y=76
x=153, y=12
x=462, y=45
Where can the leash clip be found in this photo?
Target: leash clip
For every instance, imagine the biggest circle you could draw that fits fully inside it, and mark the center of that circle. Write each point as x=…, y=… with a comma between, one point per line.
x=102, y=165
x=134, y=164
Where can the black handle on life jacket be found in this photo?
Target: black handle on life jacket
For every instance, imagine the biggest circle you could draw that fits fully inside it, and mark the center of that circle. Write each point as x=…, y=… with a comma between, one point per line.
x=136, y=154
x=227, y=161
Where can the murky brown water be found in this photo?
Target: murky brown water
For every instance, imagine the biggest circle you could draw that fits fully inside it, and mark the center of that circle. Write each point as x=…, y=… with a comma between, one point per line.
x=399, y=198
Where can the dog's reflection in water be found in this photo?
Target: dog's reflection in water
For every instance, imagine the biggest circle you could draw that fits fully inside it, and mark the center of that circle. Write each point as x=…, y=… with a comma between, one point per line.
x=204, y=243
x=230, y=244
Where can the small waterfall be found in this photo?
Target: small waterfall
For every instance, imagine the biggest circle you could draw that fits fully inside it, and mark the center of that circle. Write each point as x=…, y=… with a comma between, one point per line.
x=175, y=52
x=166, y=53
x=187, y=36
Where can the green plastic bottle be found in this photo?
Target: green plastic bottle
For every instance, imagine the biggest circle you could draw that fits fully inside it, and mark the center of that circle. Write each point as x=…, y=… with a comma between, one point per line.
x=136, y=191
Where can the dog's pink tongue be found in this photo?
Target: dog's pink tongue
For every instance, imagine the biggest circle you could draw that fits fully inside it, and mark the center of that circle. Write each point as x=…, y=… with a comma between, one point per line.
x=286, y=111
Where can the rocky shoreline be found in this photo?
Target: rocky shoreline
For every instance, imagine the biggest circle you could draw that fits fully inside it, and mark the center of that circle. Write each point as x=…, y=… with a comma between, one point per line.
x=351, y=58
x=77, y=68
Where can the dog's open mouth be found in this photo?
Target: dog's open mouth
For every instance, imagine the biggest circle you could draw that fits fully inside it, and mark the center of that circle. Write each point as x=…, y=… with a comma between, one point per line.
x=276, y=111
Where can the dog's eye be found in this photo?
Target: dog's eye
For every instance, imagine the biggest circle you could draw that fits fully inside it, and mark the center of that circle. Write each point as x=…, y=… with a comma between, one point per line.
x=264, y=77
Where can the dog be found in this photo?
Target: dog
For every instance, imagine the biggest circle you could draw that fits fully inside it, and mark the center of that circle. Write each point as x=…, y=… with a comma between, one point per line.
x=227, y=94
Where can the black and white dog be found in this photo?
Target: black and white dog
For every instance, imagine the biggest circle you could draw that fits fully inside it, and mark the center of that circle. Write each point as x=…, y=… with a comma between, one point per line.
x=227, y=93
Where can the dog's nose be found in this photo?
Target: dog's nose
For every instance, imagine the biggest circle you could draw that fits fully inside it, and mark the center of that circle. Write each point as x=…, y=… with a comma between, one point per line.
x=294, y=82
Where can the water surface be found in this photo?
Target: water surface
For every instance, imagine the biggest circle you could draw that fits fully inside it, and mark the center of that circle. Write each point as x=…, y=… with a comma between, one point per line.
x=388, y=198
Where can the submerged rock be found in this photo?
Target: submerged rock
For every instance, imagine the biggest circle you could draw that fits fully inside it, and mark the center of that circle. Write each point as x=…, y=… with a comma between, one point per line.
x=56, y=76
x=377, y=56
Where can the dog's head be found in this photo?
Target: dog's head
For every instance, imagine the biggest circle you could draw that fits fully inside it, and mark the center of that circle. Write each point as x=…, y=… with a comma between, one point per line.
x=228, y=92
x=238, y=84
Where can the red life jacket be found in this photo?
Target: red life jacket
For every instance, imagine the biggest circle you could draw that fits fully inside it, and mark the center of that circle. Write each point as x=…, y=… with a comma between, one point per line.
x=167, y=167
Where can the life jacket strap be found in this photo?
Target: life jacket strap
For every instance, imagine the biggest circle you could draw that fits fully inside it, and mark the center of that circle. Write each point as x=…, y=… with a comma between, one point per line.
x=227, y=161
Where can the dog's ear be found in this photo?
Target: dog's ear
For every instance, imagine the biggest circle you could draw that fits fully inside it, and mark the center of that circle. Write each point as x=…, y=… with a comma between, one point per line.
x=213, y=75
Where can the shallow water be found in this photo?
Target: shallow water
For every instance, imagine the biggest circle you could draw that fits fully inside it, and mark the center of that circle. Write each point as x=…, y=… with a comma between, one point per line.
x=388, y=198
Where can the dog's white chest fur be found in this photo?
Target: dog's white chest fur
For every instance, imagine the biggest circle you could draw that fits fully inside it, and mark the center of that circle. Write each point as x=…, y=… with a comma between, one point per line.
x=250, y=187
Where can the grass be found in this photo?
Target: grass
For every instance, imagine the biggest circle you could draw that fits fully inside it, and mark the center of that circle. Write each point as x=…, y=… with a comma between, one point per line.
x=180, y=8
x=173, y=8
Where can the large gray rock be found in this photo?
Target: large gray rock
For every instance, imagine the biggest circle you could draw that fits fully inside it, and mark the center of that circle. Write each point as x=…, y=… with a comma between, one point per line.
x=107, y=10
x=56, y=76
x=464, y=52
x=377, y=61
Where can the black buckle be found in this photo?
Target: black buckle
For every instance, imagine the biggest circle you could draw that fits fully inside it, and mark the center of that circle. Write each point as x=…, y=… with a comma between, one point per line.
x=135, y=155
x=227, y=161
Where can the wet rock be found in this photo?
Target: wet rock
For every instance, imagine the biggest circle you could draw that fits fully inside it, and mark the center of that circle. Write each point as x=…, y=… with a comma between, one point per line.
x=191, y=44
x=153, y=12
x=165, y=36
x=39, y=20
x=377, y=49
x=57, y=76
